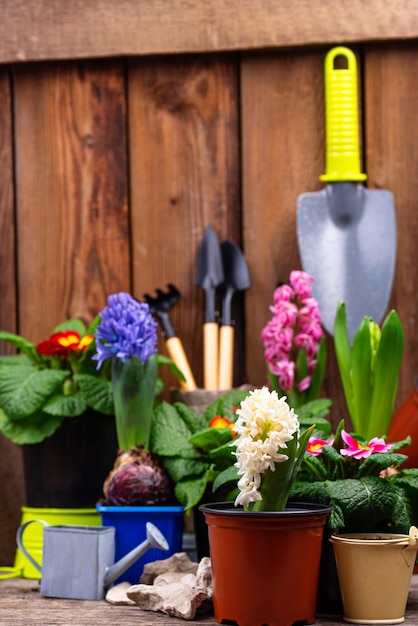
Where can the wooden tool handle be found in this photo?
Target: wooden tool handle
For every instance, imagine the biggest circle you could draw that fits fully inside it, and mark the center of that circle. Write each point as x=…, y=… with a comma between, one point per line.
x=176, y=352
x=226, y=357
x=210, y=355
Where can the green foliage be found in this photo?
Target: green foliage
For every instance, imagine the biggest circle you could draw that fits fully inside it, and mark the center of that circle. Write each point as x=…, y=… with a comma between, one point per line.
x=195, y=454
x=369, y=370
x=38, y=392
x=362, y=497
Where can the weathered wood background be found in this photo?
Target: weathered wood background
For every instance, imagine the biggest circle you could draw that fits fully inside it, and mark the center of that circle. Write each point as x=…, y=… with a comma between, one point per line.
x=126, y=132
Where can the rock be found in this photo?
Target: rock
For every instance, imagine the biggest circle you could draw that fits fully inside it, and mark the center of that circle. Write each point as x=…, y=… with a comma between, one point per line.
x=117, y=594
x=175, y=577
x=175, y=590
x=204, y=577
x=178, y=562
x=175, y=599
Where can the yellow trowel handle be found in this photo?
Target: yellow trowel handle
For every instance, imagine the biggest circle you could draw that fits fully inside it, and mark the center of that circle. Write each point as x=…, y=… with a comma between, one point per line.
x=341, y=119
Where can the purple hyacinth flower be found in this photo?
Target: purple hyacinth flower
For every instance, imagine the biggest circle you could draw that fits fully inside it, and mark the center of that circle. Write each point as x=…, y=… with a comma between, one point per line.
x=127, y=329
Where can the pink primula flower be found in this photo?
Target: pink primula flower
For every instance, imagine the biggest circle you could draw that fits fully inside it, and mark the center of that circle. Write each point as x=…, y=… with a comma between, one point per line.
x=315, y=445
x=362, y=451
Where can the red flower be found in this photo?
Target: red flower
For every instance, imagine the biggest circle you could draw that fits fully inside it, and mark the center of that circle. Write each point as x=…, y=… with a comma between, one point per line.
x=64, y=342
x=222, y=422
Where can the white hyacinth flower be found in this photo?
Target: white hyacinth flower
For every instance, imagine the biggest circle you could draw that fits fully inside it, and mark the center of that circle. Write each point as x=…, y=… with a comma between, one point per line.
x=265, y=424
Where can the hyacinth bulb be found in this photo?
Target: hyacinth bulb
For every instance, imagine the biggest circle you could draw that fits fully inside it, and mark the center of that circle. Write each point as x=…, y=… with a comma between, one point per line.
x=137, y=479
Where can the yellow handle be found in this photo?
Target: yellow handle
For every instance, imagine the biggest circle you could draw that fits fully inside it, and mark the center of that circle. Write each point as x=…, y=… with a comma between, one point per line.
x=177, y=354
x=226, y=351
x=210, y=355
x=341, y=117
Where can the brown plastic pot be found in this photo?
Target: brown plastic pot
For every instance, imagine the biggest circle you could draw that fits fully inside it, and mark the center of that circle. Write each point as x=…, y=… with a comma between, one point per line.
x=265, y=565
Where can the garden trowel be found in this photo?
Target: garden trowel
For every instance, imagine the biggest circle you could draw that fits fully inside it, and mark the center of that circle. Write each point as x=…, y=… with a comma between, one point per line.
x=209, y=275
x=346, y=232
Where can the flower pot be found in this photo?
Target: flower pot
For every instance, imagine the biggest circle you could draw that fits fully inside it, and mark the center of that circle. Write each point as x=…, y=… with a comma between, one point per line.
x=374, y=572
x=34, y=533
x=130, y=523
x=67, y=470
x=405, y=423
x=265, y=565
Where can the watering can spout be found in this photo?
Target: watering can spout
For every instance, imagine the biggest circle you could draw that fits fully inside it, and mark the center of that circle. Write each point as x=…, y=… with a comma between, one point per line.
x=155, y=539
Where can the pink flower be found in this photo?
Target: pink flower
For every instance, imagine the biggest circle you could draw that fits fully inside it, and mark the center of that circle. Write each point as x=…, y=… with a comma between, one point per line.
x=285, y=312
x=362, y=451
x=304, y=384
x=284, y=292
x=285, y=370
x=315, y=445
x=301, y=283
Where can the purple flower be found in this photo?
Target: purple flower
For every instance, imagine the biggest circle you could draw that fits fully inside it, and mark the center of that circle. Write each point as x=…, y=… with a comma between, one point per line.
x=127, y=329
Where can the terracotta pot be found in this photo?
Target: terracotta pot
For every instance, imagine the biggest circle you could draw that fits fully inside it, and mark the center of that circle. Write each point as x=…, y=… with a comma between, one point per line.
x=374, y=571
x=265, y=565
x=405, y=423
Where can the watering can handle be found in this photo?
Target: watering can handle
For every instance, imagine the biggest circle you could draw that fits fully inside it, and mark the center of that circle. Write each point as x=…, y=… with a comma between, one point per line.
x=341, y=117
x=19, y=540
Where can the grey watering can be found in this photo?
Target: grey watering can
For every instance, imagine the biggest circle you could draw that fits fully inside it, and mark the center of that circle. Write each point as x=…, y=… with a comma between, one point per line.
x=78, y=561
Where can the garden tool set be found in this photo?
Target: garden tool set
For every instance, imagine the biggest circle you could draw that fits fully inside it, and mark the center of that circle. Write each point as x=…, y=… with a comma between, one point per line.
x=223, y=268
x=346, y=232
x=220, y=268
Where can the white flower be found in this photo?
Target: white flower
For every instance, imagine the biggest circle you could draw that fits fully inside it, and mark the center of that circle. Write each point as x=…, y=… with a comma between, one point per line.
x=265, y=424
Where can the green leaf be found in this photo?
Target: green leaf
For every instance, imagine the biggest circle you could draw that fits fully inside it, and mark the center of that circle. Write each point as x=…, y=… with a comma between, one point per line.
x=375, y=463
x=97, y=393
x=226, y=404
x=386, y=376
x=24, y=390
x=181, y=469
x=194, y=420
x=228, y=475
x=29, y=430
x=361, y=377
x=164, y=360
x=318, y=374
x=24, y=345
x=169, y=434
x=73, y=324
x=211, y=438
x=69, y=406
x=343, y=353
x=190, y=492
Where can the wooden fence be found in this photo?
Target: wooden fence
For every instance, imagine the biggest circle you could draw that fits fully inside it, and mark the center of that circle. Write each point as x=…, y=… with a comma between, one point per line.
x=113, y=163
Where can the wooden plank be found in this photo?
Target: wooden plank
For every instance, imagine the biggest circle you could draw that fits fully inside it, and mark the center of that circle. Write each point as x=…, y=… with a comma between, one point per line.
x=283, y=156
x=391, y=95
x=184, y=175
x=22, y=605
x=71, y=186
x=55, y=29
x=11, y=487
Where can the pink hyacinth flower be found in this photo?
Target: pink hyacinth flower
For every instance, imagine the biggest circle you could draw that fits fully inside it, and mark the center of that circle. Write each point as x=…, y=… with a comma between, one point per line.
x=315, y=445
x=304, y=384
x=301, y=283
x=362, y=451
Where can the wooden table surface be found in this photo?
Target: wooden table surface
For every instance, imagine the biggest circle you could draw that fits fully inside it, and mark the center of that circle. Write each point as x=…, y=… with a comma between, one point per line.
x=22, y=605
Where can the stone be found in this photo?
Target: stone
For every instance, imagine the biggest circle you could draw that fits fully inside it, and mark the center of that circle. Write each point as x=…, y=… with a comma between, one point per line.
x=178, y=562
x=117, y=594
x=175, y=599
x=175, y=591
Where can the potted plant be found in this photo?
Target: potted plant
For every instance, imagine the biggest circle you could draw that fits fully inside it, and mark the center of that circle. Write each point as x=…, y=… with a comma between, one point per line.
x=265, y=555
x=294, y=342
x=359, y=480
x=60, y=410
x=137, y=489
